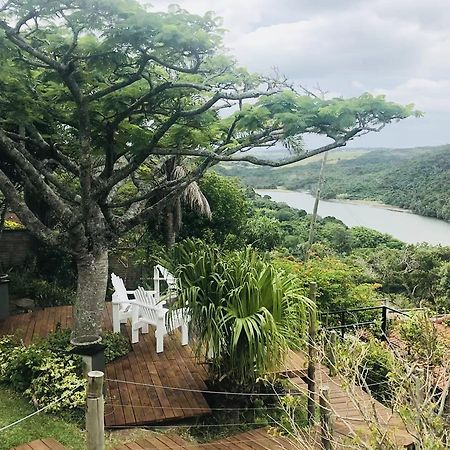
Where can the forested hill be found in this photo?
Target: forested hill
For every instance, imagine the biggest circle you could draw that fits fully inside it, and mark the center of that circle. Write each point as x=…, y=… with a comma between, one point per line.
x=416, y=179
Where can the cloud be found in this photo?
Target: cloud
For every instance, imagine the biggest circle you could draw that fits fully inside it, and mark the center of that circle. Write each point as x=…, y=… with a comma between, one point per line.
x=400, y=48
x=428, y=95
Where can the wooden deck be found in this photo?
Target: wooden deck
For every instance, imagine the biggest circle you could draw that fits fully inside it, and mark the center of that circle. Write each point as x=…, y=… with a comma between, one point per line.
x=41, y=444
x=353, y=408
x=132, y=403
x=259, y=439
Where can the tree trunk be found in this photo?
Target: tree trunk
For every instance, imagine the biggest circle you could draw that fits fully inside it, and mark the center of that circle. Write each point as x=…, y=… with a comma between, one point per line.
x=170, y=227
x=90, y=301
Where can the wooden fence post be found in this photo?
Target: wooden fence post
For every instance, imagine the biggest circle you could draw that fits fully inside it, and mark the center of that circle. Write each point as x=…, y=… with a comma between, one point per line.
x=95, y=416
x=312, y=353
x=332, y=352
x=384, y=323
x=326, y=418
x=419, y=387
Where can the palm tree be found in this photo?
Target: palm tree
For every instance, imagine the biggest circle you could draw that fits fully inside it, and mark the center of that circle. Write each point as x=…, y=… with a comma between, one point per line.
x=192, y=196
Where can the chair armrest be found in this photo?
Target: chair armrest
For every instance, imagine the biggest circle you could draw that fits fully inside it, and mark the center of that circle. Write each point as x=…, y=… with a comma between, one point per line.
x=161, y=312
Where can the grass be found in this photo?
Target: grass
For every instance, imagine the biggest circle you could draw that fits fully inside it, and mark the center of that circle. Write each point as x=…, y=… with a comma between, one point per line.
x=14, y=407
x=41, y=426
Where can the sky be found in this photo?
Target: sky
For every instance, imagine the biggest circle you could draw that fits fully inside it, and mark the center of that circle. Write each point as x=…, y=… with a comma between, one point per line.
x=399, y=48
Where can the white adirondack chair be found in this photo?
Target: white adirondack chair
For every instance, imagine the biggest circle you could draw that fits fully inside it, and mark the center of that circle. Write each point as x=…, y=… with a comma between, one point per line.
x=160, y=273
x=146, y=310
x=121, y=302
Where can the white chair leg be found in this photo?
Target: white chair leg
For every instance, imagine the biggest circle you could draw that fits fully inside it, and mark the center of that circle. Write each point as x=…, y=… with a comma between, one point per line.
x=159, y=341
x=144, y=328
x=184, y=334
x=116, y=318
x=134, y=335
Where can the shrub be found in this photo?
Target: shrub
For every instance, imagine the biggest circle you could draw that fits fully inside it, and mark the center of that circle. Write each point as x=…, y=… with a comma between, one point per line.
x=47, y=294
x=375, y=368
x=420, y=335
x=243, y=309
x=116, y=344
x=41, y=375
x=47, y=371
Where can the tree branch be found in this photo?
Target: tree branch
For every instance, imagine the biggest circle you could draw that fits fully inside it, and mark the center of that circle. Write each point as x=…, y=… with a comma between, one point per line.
x=34, y=177
x=16, y=39
x=34, y=225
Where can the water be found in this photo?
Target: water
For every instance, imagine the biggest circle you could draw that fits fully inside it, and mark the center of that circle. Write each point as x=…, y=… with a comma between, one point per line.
x=403, y=225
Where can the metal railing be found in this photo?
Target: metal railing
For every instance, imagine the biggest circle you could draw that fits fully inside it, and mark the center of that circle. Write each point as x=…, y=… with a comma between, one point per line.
x=344, y=323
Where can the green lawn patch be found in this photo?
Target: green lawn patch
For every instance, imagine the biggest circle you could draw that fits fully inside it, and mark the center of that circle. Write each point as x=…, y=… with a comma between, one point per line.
x=14, y=407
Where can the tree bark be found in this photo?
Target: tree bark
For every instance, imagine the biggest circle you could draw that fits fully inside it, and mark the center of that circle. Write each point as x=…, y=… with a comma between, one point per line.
x=170, y=228
x=90, y=301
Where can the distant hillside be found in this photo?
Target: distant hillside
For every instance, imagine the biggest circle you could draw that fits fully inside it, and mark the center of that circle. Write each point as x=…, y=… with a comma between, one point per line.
x=416, y=178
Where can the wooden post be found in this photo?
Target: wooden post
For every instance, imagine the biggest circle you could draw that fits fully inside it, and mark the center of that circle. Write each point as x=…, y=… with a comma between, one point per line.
x=312, y=227
x=95, y=416
x=384, y=323
x=343, y=323
x=419, y=387
x=312, y=353
x=326, y=418
x=332, y=352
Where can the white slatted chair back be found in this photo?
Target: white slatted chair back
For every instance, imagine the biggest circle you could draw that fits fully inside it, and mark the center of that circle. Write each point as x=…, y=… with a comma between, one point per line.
x=119, y=288
x=121, y=302
x=148, y=308
x=160, y=273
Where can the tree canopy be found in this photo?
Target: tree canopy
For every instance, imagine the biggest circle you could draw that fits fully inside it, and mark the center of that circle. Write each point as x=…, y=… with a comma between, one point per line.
x=100, y=94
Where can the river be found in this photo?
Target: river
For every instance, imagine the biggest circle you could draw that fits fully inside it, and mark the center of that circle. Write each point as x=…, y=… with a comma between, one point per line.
x=403, y=225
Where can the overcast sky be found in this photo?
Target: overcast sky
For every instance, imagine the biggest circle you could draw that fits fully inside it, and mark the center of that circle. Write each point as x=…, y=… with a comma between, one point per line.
x=400, y=48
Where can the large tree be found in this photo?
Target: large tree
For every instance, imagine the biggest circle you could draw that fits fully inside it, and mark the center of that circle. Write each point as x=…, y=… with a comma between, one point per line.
x=97, y=96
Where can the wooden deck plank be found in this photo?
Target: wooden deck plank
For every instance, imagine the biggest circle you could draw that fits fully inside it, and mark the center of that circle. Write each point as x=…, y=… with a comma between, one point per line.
x=124, y=394
x=159, y=442
x=166, y=402
x=258, y=439
x=151, y=396
x=113, y=410
x=22, y=447
x=53, y=444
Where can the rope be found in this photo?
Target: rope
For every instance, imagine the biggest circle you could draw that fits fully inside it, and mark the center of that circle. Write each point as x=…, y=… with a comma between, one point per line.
x=202, y=391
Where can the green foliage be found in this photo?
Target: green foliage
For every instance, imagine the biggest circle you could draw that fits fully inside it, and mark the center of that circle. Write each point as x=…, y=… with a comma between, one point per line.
x=420, y=336
x=12, y=225
x=376, y=366
x=294, y=416
x=116, y=344
x=339, y=284
x=41, y=375
x=263, y=233
x=417, y=271
x=363, y=237
x=244, y=311
x=48, y=294
x=229, y=206
x=48, y=370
